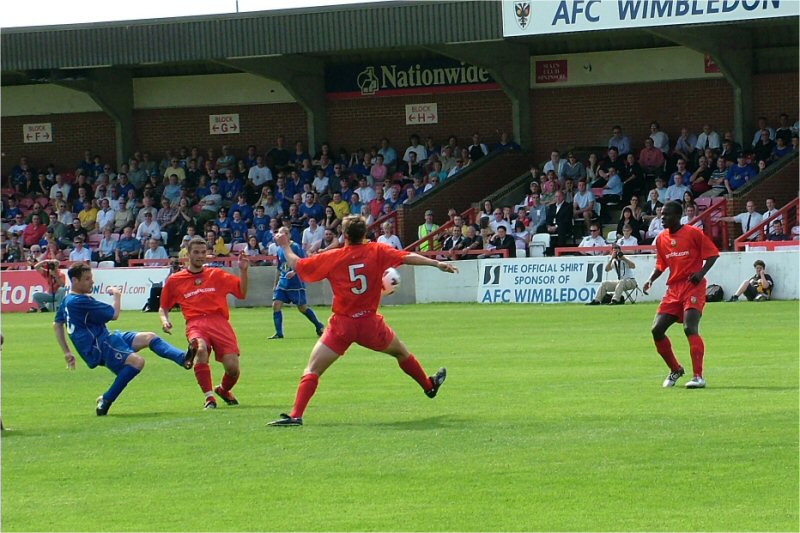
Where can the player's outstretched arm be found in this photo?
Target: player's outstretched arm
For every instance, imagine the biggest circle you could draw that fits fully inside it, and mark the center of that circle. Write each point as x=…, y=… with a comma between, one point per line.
x=421, y=260
x=649, y=283
x=282, y=240
x=61, y=337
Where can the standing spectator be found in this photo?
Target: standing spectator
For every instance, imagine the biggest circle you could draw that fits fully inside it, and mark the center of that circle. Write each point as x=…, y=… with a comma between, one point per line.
x=758, y=288
x=748, y=220
x=559, y=220
x=426, y=229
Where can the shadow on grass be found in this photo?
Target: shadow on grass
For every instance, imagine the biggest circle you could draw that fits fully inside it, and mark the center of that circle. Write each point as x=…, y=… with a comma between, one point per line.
x=753, y=387
x=420, y=424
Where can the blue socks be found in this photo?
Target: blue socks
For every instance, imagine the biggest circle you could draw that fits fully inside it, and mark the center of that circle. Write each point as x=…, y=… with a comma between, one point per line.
x=313, y=318
x=164, y=349
x=123, y=378
x=277, y=317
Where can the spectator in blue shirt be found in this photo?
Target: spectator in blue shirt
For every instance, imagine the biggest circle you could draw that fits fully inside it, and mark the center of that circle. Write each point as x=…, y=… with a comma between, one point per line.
x=238, y=228
x=260, y=223
x=739, y=174
x=244, y=209
x=230, y=188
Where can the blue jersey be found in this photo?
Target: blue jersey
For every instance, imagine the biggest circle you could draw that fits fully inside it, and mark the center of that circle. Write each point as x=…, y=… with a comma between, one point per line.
x=294, y=282
x=86, y=319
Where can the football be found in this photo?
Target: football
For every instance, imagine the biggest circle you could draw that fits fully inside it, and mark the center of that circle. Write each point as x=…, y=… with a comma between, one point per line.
x=391, y=280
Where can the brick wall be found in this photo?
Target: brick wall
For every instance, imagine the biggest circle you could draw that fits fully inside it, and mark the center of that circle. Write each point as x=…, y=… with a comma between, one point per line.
x=561, y=118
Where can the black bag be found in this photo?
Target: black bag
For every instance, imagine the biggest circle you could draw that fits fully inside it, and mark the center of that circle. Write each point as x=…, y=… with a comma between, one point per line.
x=154, y=300
x=714, y=293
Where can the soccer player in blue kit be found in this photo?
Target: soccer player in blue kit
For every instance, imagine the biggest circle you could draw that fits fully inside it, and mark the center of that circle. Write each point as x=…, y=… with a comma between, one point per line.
x=290, y=289
x=85, y=319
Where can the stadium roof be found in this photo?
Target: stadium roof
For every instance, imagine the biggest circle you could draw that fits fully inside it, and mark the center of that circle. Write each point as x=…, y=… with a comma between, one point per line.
x=386, y=30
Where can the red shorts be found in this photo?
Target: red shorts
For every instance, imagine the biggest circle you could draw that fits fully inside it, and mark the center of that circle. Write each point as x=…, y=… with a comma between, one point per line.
x=681, y=297
x=216, y=332
x=369, y=331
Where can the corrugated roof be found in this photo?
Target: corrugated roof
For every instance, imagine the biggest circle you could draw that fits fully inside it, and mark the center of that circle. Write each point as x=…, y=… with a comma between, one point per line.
x=362, y=27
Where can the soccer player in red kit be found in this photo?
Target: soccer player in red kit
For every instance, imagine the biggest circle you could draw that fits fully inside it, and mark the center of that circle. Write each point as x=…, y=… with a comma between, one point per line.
x=355, y=273
x=202, y=294
x=682, y=249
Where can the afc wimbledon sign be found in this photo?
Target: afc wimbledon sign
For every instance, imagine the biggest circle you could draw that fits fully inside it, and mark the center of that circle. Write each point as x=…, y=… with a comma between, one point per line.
x=401, y=78
x=553, y=16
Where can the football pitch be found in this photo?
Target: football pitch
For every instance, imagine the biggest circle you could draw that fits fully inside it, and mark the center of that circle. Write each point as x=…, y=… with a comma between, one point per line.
x=552, y=418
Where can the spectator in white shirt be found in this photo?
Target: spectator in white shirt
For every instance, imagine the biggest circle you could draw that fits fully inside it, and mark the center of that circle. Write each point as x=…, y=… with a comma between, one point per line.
x=260, y=173
x=417, y=148
x=675, y=192
x=627, y=238
x=593, y=240
x=660, y=139
x=147, y=229
x=656, y=226
x=556, y=164
x=61, y=187
x=79, y=253
x=389, y=237
x=106, y=215
x=708, y=139
x=312, y=236
x=691, y=212
x=749, y=220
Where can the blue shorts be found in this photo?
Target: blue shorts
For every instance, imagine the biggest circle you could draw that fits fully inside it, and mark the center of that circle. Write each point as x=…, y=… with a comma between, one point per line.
x=116, y=348
x=294, y=296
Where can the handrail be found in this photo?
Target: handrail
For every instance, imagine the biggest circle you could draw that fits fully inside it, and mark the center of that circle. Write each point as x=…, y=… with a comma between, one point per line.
x=770, y=171
x=601, y=250
x=761, y=228
x=711, y=217
x=376, y=226
x=456, y=254
x=468, y=215
x=769, y=246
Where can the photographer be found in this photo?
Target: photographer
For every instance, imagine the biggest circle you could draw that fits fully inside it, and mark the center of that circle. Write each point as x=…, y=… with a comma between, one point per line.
x=56, y=286
x=625, y=276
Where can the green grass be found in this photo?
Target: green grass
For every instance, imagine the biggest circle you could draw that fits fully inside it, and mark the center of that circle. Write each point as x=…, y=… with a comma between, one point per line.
x=552, y=418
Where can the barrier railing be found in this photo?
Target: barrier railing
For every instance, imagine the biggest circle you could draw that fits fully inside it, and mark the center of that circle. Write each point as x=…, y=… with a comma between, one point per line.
x=746, y=240
x=456, y=254
x=603, y=250
x=226, y=260
x=433, y=237
x=713, y=226
x=375, y=227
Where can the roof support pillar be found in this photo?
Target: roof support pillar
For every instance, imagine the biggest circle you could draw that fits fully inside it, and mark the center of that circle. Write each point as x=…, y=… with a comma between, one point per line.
x=732, y=50
x=112, y=90
x=510, y=65
x=303, y=77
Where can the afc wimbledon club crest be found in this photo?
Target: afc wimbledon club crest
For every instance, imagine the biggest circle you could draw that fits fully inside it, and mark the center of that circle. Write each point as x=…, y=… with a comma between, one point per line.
x=522, y=13
x=368, y=81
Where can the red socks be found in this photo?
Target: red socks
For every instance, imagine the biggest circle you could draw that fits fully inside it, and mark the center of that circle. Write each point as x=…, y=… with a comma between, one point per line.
x=412, y=367
x=664, y=348
x=229, y=381
x=697, y=349
x=202, y=372
x=306, y=389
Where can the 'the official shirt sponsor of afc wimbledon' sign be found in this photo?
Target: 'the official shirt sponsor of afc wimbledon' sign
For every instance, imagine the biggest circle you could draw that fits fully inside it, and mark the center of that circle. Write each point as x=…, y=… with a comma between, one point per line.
x=400, y=78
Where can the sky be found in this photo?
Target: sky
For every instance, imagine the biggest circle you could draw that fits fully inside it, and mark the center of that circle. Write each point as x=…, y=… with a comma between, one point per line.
x=54, y=12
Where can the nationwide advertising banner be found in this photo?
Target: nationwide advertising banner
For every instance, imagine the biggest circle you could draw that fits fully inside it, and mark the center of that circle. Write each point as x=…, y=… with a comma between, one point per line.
x=538, y=17
x=395, y=78
x=19, y=286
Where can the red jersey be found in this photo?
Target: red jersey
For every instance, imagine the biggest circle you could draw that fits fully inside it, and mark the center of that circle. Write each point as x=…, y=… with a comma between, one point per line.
x=355, y=273
x=683, y=252
x=200, y=294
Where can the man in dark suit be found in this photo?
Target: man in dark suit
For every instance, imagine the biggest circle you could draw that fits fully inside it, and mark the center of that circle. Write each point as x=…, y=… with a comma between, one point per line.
x=559, y=221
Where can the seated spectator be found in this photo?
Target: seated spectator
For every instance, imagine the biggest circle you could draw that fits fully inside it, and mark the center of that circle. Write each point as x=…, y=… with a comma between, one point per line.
x=330, y=241
x=592, y=168
x=683, y=171
x=620, y=141
x=33, y=232
x=238, y=228
x=698, y=182
x=550, y=187
x=653, y=203
x=80, y=253
x=108, y=247
x=612, y=192
x=675, y=192
x=660, y=139
x=781, y=149
x=627, y=218
x=627, y=238
x=688, y=198
x=522, y=238
x=690, y=211
x=556, y=164
x=147, y=229
x=765, y=145
x=584, y=205
x=506, y=143
x=626, y=278
x=128, y=247
x=330, y=220
x=13, y=251
x=388, y=237
x=716, y=182
x=758, y=288
x=593, y=240
x=739, y=174
x=656, y=226
x=708, y=139
x=777, y=233
x=651, y=159
x=686, y=145
x=417, y=148
x=634, y=178
x=501, y=240
x=155, y=251
x=312, y=236
x=477, y=149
